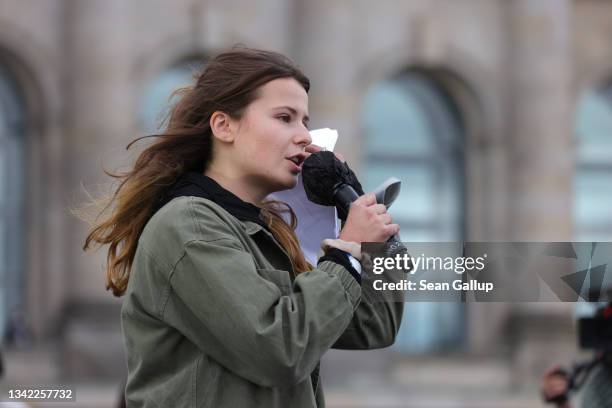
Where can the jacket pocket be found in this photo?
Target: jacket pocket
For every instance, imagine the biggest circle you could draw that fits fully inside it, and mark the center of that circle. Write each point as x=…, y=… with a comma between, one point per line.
x=279, y=278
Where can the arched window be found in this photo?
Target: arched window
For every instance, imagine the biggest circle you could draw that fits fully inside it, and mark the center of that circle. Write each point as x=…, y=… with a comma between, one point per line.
x=12, y=176
x=593, y=175
x=156, y=101
x=413, y=130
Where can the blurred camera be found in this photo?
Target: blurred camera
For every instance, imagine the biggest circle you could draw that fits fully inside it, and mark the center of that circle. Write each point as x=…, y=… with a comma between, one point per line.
x=595, y=333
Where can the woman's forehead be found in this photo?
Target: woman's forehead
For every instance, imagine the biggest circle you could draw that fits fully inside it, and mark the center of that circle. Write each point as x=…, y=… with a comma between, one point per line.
x=284, y=92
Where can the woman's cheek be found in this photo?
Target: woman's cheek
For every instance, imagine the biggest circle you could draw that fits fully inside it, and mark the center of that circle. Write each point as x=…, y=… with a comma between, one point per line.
x=260, y=157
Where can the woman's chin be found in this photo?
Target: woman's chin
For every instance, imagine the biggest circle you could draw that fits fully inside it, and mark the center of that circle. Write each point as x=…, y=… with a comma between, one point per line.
x=292, y=183
x=288, y=183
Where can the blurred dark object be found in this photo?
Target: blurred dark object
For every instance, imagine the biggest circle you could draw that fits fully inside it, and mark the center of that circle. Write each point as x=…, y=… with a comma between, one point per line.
x=327, y=179
x=595, y=333
x=17, y=333
x=575, y=379
x=580, y=373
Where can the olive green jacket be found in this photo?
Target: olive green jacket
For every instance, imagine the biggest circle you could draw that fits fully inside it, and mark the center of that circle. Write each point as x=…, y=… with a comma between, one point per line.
x=215, y=317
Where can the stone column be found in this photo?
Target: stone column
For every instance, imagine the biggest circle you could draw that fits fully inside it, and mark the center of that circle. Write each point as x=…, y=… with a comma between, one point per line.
x=540, y=119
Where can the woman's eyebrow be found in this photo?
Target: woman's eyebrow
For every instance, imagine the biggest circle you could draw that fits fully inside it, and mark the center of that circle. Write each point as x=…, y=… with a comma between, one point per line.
x=293, y=111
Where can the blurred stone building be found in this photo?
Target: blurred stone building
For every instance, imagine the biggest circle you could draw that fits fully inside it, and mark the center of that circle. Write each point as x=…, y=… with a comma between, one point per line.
x=496, y=114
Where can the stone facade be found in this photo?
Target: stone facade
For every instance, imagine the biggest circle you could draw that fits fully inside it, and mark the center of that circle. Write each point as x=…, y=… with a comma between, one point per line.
x=516, y=67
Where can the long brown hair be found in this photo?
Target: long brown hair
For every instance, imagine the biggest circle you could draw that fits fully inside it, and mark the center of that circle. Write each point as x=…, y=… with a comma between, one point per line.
x=228, y=83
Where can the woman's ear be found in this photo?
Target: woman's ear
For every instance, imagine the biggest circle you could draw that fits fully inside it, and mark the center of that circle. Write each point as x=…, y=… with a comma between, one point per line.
x=221, y=126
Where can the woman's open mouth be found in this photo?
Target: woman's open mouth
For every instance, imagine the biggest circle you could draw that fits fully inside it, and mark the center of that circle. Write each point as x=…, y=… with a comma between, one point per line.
x=297, y=161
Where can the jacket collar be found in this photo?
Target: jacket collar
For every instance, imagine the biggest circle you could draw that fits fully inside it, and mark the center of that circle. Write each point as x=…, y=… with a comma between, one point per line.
x=199, y=185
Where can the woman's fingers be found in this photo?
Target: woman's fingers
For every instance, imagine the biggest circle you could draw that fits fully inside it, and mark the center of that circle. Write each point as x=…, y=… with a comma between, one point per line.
x=392, y=229
x=386, y=218
x=379, y=208
x=365, y=200
x=368, y=221
x=313, y=148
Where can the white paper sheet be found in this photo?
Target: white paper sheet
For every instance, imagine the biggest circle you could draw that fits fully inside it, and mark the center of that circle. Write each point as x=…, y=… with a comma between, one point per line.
x=315, y=222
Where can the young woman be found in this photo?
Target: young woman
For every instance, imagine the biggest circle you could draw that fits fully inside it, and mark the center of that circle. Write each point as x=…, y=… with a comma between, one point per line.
x=221, y=309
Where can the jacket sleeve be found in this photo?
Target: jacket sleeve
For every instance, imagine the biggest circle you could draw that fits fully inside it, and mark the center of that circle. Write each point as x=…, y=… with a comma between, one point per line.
x=377, y=319
x=374, y=325
x=219, y=301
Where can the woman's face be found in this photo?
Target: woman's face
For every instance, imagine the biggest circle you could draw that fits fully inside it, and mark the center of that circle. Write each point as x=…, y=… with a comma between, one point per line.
x=271, y=136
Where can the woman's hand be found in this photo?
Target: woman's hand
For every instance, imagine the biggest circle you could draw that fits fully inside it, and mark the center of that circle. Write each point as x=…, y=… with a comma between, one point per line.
x=313, y=148
x=368, y=221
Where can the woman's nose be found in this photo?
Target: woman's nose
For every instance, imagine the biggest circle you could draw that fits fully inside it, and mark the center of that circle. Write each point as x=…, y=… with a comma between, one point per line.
x=303, y=138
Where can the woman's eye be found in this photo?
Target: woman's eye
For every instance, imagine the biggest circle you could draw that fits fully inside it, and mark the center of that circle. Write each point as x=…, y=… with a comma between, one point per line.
x=285, y=118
